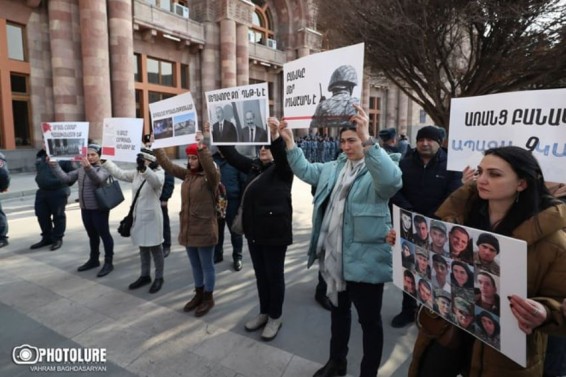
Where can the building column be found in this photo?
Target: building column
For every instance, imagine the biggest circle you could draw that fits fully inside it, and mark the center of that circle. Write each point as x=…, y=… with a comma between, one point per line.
x=68, y=94
x=122, y=58
x=96, y=64
x=392, y=107
x=242, y=55
x=228, y=52
x=208, y=62
x=404, y=114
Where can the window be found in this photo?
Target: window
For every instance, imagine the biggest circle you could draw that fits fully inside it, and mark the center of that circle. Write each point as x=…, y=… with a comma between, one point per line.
x=422, y=116
x=21, y=109
x=156, y=96
x=160, y=72
x=16, y=46
x=137, y=69
x=184, y=76
x=262, y=22
x=374, y=114
x=165, y=5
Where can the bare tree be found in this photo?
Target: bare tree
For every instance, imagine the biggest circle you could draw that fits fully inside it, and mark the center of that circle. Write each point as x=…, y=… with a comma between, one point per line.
x=435, y=50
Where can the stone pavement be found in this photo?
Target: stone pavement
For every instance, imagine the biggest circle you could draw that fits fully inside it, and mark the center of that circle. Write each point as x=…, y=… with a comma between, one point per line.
x=45, y=302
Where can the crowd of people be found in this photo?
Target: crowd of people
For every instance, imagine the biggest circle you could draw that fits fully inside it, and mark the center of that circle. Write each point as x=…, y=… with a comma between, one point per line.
x=355, y=179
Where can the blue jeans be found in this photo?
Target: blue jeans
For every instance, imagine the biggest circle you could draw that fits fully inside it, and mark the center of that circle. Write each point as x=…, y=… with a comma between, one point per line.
x=3, y=224
x=367, y=299
x=96, y=224
x=202, y=262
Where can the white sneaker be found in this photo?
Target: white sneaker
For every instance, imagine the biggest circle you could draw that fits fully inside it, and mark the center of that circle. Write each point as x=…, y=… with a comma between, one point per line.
x=256, y=323
x=271, y=328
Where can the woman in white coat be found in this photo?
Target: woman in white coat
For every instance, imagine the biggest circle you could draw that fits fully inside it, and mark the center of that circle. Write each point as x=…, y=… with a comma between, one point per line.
x=147, y=228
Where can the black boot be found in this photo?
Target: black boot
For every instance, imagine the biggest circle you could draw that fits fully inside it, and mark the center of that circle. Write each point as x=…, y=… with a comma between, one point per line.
x=105, y=270
x=332, y=368
x=90, y=264
x=156, y=286
x=142, y=280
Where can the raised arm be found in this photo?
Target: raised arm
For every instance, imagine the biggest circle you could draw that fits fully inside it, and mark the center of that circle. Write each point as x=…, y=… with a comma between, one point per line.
x=116, y=172
x=171, y=168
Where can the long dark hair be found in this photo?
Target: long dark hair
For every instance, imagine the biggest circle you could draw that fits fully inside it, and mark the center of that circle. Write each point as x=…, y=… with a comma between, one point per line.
x=532, y=200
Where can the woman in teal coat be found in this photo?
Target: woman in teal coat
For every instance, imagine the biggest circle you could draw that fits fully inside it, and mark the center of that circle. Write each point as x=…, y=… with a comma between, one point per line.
x=350, y=221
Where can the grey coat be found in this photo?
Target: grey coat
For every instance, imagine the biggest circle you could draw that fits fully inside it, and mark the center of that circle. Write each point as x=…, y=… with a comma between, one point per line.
x=89, y=180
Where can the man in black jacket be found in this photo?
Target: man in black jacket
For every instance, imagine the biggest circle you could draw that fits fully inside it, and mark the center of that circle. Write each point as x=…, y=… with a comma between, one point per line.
x=166, y=192
x=426, y=184
x=50, y=201
x=4, y=184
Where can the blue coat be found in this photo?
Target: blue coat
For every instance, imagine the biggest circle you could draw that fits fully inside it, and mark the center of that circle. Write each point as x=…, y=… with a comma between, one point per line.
x=367, y=220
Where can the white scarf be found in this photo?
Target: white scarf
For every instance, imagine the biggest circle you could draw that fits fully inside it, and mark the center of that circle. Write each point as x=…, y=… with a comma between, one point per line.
x=329, y=247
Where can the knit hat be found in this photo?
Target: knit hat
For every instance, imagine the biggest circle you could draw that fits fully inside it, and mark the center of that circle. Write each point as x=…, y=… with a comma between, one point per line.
x=438, y=225
x=95, y=147
x=148, y=154
x=192, y=149
x=442, y=293
x=430, y=132
x=387, y=134
x=488, y=239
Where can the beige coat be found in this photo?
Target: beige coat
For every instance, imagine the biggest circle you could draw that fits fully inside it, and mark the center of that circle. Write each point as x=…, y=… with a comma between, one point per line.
x=198, y=223
x=546, y=274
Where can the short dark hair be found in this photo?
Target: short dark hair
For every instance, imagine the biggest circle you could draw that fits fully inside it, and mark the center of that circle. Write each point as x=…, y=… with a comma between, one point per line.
x=418, y=219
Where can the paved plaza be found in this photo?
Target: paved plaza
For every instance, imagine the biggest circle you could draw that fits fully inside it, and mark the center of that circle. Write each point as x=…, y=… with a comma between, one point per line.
x=46, y=303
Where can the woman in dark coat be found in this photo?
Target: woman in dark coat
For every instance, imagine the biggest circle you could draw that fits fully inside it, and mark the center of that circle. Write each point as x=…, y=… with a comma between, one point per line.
x=267, y=223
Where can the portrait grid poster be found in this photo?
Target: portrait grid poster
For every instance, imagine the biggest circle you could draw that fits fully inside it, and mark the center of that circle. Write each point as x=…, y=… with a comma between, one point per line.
x=239, y=115
x=174, y=121
x=121, y=139
x=533, y=119
x=319, y=90
x=464, y=275
x=65, y=140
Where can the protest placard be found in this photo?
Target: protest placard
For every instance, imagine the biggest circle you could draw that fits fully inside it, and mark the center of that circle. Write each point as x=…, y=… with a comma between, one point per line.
x=65, y=140
x=534, y=119
x=442, y=266
x=239, y=115
x=174, y=121
x=121, y=139
x=319, y=90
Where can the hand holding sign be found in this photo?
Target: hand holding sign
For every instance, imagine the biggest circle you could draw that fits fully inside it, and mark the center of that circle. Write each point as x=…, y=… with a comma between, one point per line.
x=361, y=121
x=287, y=135
x=273, y=124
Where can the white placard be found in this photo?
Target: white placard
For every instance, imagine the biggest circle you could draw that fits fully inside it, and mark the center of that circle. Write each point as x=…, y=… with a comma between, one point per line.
x=509, y=273
x=517, y=118
x=174, y=121
x=121, y=138
x=319, y=89
x=65, y=140
x=239, y=115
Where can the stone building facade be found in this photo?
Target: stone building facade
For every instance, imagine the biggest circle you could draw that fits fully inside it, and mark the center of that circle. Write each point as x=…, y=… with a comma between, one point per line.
x=86, y=60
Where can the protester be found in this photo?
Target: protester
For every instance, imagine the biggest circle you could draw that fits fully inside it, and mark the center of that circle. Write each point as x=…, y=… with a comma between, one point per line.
x=388, y=138
x=166, y=193
x=50, y=202
x=267, y=224
x=95, y=220
x=147, y=228
x=350, y=220
x=508, y=198
x=426, y=184
x=4, y=184
x=198, y=226
x=234, y=182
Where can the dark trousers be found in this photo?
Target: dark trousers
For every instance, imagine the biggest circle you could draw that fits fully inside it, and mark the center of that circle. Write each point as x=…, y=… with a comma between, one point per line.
x=367, y=299
x=166, y=227
x=320, y=286
x=50, y=212
x=269, y=268
x=3, y=224
x=237, y=239
x=440, y=361
x=409, y=304
x=95, y=222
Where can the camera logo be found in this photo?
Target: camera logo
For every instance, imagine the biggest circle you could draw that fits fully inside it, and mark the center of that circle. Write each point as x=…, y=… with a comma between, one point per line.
x=25, y=354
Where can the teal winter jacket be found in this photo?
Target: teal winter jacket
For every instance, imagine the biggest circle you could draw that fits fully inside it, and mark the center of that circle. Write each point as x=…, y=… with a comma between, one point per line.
x=366, y=257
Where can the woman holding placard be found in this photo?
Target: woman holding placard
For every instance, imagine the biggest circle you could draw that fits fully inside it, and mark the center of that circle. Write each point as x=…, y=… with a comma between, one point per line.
x=509, y=198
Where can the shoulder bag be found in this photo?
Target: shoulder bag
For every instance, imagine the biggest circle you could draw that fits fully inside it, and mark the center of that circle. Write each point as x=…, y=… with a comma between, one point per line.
x=238, y=222
x=109, y=195
x=125, y=227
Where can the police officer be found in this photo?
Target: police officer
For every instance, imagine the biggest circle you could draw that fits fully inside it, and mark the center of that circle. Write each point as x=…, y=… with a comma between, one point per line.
x=50, y=201
x=4, y=184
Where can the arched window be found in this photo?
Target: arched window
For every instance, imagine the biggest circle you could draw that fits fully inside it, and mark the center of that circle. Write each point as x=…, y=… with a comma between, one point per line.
x=262, y=23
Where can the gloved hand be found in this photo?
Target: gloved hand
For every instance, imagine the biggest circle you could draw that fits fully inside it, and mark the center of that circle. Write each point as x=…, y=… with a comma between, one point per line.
x=141, y=164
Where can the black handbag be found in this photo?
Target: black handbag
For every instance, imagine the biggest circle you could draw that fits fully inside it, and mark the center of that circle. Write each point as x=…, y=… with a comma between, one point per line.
x=109, y=195
x=125, y=227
